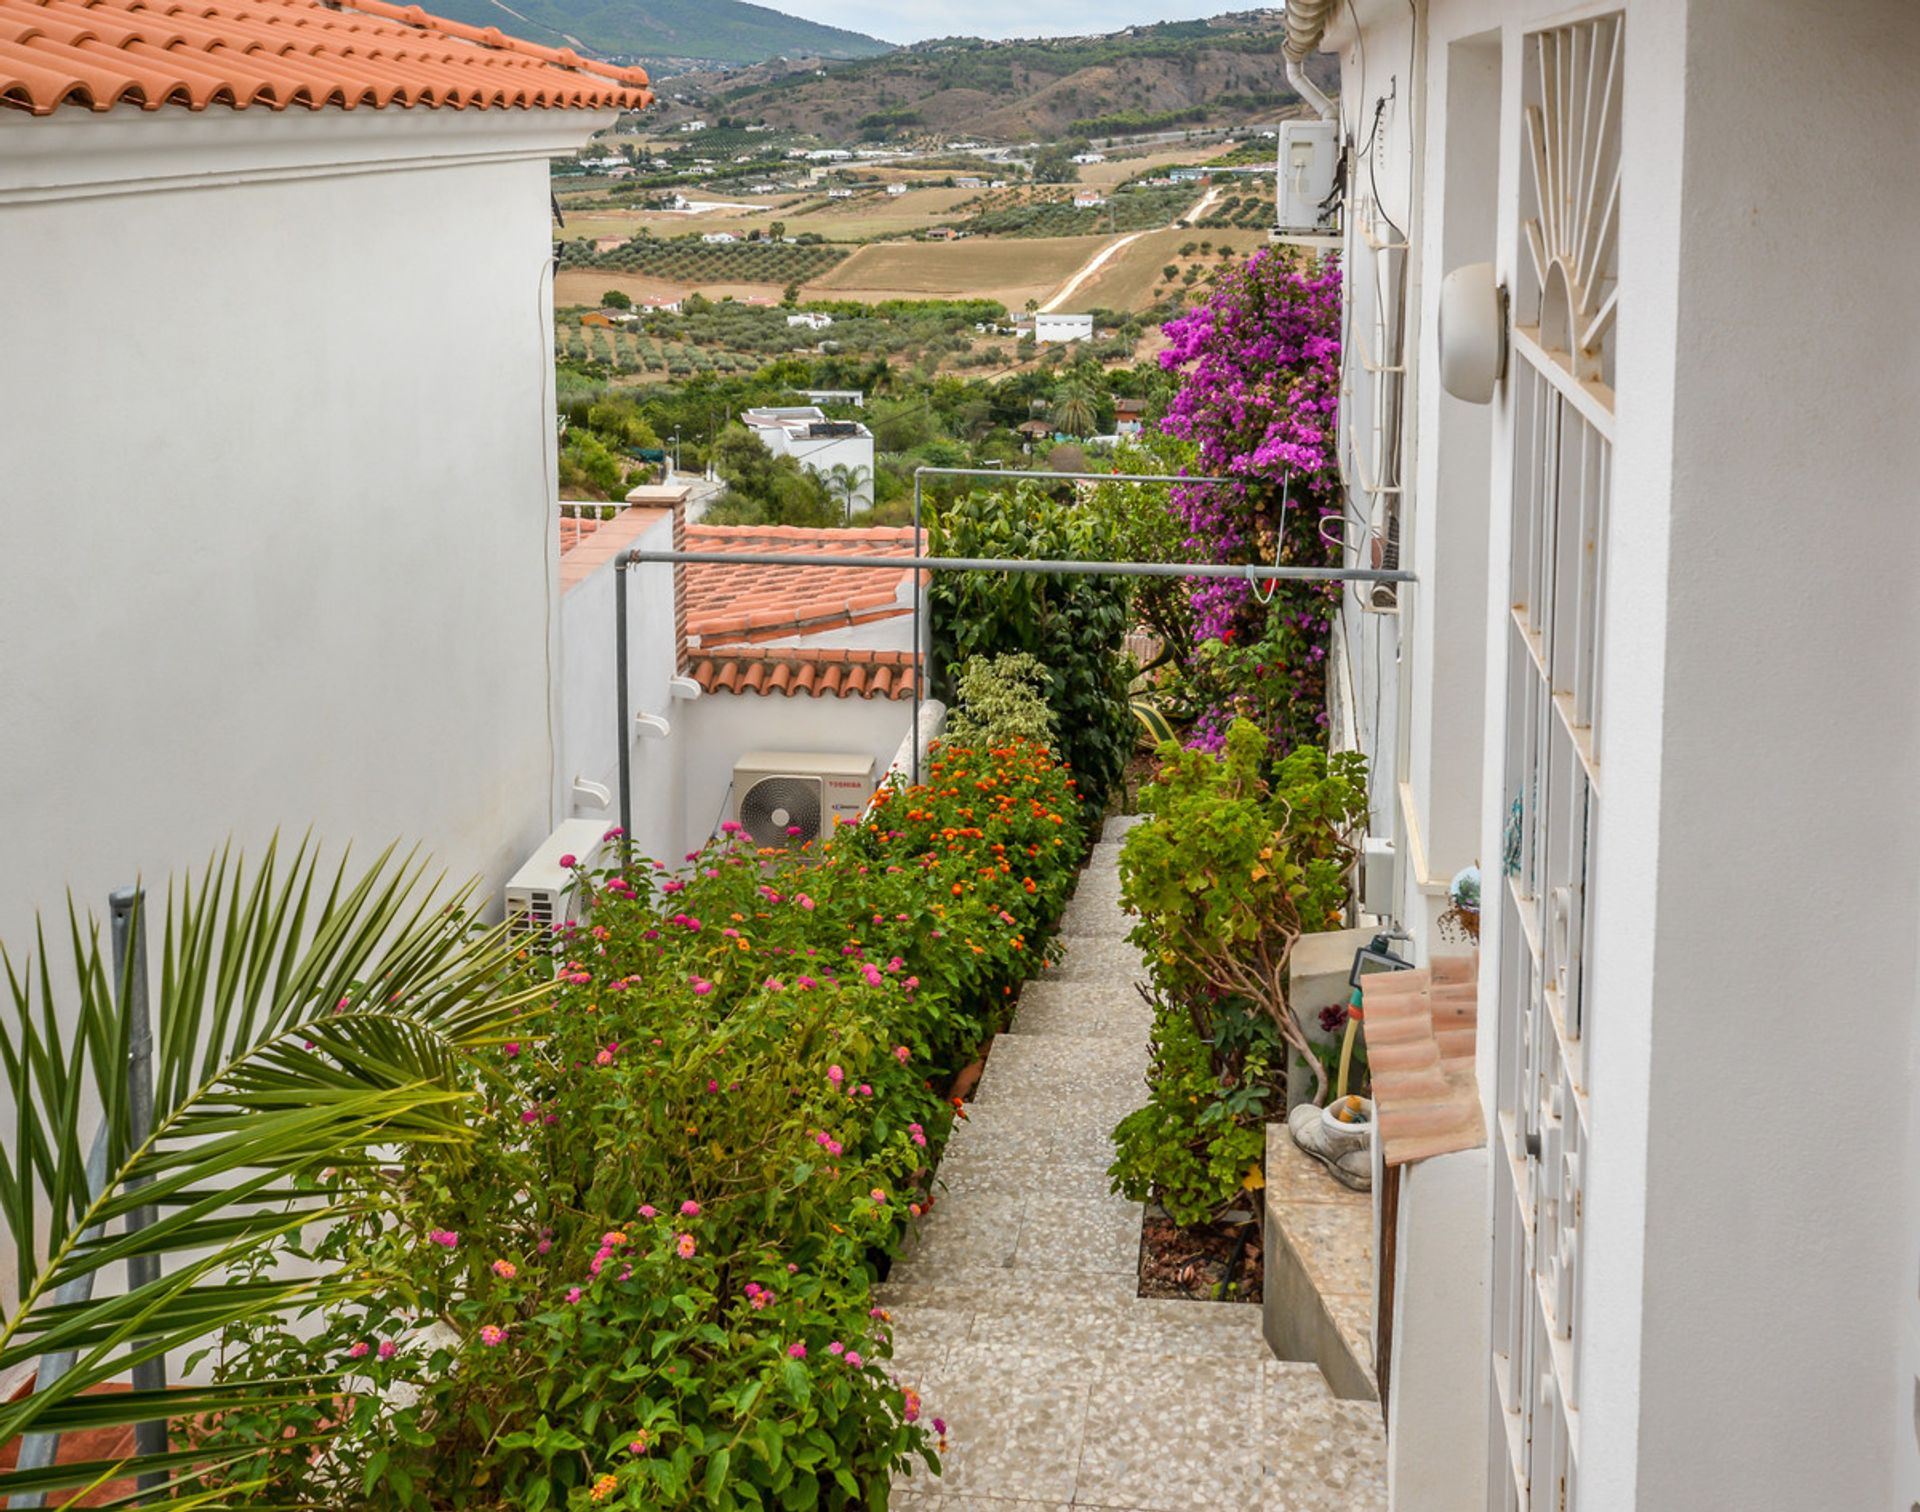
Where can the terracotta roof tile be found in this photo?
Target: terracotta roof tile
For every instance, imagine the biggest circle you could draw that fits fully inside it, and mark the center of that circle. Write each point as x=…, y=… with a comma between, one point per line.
x=789, y=671
x=1420, y=1032
x=727, y=604
x=281, y=53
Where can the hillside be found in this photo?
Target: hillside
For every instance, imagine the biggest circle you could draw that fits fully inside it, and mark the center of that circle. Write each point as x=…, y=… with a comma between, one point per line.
x=1164, y=77
x=672, y=32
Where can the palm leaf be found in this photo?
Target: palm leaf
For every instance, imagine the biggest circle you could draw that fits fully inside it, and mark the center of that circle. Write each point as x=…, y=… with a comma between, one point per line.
x=304, y=1022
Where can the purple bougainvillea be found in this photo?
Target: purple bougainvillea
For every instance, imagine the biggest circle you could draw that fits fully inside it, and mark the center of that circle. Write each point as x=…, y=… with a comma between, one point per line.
x=1260, y=400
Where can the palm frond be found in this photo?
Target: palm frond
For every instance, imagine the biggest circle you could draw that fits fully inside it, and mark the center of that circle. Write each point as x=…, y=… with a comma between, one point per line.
x=304, y=1022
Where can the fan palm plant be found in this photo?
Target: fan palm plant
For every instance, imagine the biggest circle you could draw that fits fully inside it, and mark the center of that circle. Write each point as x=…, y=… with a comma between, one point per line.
x=304, y=1023
x=1075, y=410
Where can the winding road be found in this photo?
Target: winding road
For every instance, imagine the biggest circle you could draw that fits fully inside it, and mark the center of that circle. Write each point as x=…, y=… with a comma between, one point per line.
x=1099, y=259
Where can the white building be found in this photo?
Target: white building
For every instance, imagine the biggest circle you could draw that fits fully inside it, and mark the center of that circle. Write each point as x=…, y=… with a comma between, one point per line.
x=813, y=320
x=724, y=660
x=1656, y=678
x=718, y=238
x=1047, y=328
x=693, y=126
x=1089, y=157
x=308, y=580
x=839, y=194
x=896, y=189
x=1088, y=199
x=803, y=431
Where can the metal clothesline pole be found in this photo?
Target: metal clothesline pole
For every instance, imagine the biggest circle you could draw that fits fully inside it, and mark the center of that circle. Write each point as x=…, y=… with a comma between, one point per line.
x=636, y=556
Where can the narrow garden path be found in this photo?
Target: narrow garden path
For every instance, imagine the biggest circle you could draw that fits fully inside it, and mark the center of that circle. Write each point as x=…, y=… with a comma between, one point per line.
x=1016, y=1315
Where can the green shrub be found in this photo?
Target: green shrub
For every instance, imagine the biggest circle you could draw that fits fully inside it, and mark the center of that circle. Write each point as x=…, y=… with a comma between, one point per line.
x=1001, y=701
x=1075, y=626
x=1224, y=876
x=647, y=1282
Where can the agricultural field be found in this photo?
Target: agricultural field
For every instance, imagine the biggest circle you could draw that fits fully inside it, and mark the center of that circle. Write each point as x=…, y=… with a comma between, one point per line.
x=1010, y=271
x=689, y=260
x=1135, y=277
x=1246, y=209
x=1134, y=210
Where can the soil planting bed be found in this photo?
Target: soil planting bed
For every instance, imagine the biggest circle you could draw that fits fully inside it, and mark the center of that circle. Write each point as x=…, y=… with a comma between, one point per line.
x=1191, y=1264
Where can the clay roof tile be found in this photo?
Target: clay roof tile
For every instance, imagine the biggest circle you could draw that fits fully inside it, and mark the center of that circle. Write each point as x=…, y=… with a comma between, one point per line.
x=282, y=53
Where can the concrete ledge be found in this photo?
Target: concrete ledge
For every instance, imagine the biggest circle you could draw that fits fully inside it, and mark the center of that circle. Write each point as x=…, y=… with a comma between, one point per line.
x=1318, y=1300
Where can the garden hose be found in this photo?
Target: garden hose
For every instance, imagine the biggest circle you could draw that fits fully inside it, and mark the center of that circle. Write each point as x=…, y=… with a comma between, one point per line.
x=1346, y=1044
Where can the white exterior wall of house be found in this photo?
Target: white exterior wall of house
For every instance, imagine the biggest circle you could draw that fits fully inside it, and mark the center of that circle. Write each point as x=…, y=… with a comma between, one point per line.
x=278, y=455
x=589, y=656
x=1048, y=328
x=722, y=727
x=1747, y=1325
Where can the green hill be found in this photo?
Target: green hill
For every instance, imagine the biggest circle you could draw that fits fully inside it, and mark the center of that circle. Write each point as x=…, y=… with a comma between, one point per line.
x=678, y=31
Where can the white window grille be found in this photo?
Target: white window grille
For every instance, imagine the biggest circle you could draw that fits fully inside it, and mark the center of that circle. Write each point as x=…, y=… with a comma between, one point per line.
x=1565, y=298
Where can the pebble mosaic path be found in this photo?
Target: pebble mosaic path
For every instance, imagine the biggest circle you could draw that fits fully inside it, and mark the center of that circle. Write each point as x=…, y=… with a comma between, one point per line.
x=1015, y=1311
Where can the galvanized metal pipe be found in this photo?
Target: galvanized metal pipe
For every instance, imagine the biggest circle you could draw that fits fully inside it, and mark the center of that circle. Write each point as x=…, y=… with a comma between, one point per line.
x=635, y=555
x=127, y=906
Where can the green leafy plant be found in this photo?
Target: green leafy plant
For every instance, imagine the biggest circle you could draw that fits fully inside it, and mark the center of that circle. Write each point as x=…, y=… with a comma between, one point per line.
x=1225, y=874
x=1074, y=626
x=302, y=1025
x=645, y=1281
x=1001, y=701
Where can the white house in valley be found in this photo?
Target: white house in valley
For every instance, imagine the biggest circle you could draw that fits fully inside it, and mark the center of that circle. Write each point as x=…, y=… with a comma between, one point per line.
x=262, y=595
x=1062, y=328
x=1652, y=463
x=804, y=432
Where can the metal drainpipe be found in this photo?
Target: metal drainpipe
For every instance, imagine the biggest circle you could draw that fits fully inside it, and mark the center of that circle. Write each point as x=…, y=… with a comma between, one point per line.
x=128, y=908
x=633, y=555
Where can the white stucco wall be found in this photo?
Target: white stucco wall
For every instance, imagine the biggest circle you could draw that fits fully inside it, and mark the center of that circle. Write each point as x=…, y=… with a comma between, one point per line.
x=276, y=450
x=1788, y=861
x=589, y=653
x=1749, y=1329
x=721, y=727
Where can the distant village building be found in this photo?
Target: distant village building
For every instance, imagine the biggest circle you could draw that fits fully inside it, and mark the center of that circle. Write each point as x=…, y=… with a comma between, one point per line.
x=855, y=397
x=813, y=320
x=693, y=125
x=1062, y=328
x=840, y=194
x=805, y=433
x=940, y=233
x=718, y=237
x=896, y=189
x=1089, y=157
x=1087, y=199
x=1129, y=416
x=969, y=183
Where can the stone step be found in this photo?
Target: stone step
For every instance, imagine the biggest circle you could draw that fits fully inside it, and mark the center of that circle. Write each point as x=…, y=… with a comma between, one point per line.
x=1085, y=1009
x=1115, y=829
x=1095, y=915
x=1049, y=1070
x=1097, y=960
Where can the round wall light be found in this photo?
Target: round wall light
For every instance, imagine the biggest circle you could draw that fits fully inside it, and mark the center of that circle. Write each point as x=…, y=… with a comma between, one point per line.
x=1472, y=333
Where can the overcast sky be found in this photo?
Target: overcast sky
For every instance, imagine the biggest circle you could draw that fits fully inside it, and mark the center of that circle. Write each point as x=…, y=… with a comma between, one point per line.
x=917, y=20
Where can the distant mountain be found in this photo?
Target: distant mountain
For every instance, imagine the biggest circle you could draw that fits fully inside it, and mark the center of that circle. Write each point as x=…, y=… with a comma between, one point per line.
x=1146, y=78
x=673, y=31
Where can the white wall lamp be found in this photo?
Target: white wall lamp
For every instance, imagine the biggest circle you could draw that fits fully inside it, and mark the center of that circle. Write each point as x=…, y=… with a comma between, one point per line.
x=1472, y=333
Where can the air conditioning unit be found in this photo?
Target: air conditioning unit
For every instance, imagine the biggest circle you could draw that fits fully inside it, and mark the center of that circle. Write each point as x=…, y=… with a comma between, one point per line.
x=1309, y=156
x=542, y=893
x=1381, y=550
x=786, y=798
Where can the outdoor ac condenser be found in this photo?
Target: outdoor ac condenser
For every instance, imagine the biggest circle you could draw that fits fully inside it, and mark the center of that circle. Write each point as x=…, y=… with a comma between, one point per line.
x=542, y=893
x=786, y=798
x=1309, y=152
